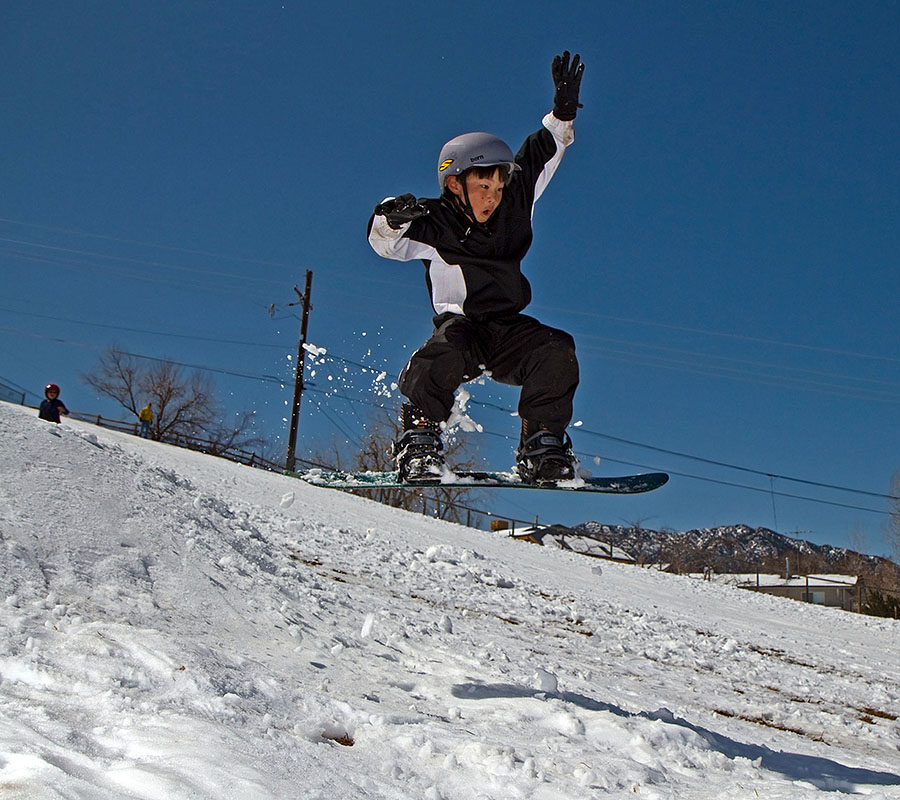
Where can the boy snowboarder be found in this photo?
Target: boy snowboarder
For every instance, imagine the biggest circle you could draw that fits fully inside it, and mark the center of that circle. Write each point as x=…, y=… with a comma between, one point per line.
x=52, y=407
x=472, y=240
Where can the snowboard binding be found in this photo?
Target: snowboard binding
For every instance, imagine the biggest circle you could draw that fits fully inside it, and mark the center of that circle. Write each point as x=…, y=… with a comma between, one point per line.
x=418, y=450
x=545, y=458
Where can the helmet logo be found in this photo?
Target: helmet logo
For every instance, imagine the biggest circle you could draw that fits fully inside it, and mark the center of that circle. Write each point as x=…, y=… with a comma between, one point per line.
x=473, y=159
x=446, y=163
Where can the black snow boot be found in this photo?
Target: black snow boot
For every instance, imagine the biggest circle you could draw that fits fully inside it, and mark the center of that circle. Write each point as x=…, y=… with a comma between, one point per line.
x=543, y=456
x=418, y=450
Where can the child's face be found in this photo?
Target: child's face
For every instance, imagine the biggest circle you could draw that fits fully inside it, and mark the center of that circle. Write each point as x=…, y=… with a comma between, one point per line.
x=485, y=194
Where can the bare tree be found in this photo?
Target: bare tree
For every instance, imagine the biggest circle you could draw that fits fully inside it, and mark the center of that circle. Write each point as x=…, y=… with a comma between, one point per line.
x=117, y=376
x=183, y=405
x=893, y=524
x=236, y=435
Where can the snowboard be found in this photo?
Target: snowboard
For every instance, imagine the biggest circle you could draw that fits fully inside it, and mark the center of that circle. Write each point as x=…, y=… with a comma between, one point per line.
x=479, y=479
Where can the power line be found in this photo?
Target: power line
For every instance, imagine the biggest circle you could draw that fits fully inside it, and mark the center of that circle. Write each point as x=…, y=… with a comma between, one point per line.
x=619, y=440
x=125, y=260
x=342, y=429
x=190, y=337
x=665, y=451
x=699, y=459
x=767, y=365
x=835, y=389
x=188, y=251
x=146, y=277
x=761, y=489
x=720, y=482
x=568, y=311
x=715, y=463
x=722, y=335
x=732, y=373
x=220, y=370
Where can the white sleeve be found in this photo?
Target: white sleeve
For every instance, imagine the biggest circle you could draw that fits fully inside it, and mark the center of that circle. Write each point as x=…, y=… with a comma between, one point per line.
x=563, y=131
x=391, y=243
x=563, y=134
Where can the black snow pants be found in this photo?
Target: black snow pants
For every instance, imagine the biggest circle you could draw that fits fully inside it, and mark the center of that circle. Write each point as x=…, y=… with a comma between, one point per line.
x=516, y=350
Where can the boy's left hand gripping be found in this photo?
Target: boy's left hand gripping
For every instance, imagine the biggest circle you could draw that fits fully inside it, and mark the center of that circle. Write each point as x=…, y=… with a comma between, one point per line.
x=400, y=210
x=567, y=81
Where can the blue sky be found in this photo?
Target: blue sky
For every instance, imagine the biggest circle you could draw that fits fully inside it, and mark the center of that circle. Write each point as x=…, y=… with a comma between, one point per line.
x=722, y=239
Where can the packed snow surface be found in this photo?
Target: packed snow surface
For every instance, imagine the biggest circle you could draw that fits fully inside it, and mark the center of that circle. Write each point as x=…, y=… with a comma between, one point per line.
x=176, y=626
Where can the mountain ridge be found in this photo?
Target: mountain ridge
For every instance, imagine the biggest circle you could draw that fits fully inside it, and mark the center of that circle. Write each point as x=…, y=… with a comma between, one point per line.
x=731, y=548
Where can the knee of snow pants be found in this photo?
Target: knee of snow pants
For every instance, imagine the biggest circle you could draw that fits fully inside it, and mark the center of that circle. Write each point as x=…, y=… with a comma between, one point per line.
x=549, y=377
x=435, y=371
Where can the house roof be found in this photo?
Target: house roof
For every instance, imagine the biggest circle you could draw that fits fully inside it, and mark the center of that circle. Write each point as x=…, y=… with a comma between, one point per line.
x=570, y=539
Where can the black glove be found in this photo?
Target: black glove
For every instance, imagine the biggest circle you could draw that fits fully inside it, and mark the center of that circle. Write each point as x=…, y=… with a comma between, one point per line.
x=400, y=210
x=567, y=80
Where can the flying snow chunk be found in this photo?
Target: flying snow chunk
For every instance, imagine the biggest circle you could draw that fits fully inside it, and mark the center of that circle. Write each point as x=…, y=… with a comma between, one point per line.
x=287, y=500
x=313, y=350
x=458, y=416
x=547, y=681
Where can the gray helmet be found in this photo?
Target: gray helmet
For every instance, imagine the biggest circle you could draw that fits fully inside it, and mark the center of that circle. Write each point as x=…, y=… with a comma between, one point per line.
x=477, y=149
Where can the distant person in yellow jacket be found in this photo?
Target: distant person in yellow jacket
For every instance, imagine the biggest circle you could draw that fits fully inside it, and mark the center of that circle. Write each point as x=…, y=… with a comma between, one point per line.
x=146, y=417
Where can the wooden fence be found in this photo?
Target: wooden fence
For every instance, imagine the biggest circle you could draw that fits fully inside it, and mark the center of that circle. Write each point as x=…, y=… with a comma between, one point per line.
x=197, y=443
x=247, y=457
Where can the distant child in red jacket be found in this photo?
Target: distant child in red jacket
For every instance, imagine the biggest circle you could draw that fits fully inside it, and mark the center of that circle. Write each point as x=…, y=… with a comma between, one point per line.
x=52, y=407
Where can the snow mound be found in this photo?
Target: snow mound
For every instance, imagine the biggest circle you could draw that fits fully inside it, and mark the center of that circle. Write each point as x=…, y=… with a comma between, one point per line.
x=177, y=626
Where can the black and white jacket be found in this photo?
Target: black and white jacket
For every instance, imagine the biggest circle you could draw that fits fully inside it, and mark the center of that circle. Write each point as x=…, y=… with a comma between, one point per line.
x=473, y=268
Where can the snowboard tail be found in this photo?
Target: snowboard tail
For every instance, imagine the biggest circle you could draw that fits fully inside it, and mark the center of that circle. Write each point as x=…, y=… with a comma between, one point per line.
x=481, y=479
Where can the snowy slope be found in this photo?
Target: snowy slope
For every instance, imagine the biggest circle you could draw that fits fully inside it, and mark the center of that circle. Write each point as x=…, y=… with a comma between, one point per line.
x=177, y=626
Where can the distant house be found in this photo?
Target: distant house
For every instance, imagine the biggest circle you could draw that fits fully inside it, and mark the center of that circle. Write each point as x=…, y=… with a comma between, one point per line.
x=567, y=538
x=840, y=591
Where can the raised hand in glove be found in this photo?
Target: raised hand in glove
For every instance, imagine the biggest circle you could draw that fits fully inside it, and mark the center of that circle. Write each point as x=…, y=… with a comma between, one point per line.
x=567, y=80
x=400, y=210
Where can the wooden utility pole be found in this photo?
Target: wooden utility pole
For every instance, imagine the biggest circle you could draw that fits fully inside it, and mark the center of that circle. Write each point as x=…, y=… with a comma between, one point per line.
x=291, y=460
